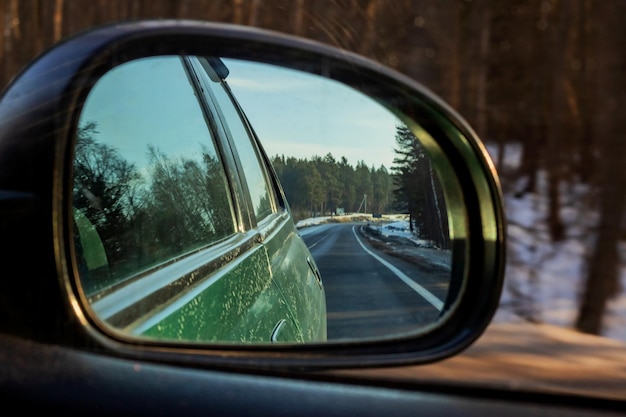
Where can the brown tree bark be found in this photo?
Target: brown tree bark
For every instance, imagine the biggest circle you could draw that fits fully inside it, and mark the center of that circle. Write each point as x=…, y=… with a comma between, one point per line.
x=58, y=20
x=368, y=42
x=539, y=83
x=298, y=17
x=481, y=76
x=602, y=280
x=253, y=16
x=238, y=11
x=557, y=117
x=586, y=87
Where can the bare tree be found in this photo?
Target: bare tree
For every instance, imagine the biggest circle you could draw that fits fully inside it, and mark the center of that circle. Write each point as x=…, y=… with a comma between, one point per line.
x=602, y=281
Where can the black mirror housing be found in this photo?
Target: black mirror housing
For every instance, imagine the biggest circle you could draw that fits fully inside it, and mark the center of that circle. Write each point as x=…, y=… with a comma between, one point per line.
x=43, y=299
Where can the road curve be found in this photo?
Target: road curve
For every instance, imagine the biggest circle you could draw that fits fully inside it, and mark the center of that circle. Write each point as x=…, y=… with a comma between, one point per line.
x=370, y=294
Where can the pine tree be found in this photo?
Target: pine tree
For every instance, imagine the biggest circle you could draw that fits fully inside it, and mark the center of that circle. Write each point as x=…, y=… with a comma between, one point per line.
x=417, y=191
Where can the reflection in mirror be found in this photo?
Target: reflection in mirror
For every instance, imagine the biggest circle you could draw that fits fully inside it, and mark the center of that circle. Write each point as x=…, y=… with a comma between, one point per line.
x=363, y=194
x=186, y=230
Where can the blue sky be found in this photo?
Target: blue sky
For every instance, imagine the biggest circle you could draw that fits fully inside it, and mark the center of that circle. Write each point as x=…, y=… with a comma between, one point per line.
x=300, y=114
x=131, y=113
x=294, y=113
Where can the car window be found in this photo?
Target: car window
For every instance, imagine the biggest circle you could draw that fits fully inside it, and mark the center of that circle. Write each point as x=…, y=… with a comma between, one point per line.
x=149, y=183
x=262, y=196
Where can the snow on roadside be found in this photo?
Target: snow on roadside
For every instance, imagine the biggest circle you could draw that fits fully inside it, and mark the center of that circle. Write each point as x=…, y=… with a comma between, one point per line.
x=402, y=229
x=393, y=228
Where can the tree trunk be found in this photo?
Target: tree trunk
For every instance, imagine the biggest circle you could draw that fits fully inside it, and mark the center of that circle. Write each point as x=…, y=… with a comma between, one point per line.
x=603, y=276
x=602, y=281
x=238, y=12
x=481, y=75
x=587, y=162
x=298, y=18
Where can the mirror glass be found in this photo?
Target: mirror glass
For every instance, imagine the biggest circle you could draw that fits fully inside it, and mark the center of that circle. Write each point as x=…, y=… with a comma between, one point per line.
x=227, y=201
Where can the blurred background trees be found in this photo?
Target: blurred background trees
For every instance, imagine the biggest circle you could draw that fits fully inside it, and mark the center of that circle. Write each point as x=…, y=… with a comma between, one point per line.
x=545, y=75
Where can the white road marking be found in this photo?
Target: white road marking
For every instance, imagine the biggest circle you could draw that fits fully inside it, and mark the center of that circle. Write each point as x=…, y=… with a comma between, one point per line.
x=427, y=295
x=318, y=242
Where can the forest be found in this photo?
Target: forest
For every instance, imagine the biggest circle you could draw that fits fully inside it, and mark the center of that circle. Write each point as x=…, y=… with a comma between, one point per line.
x=545, y=76
x=325, y=185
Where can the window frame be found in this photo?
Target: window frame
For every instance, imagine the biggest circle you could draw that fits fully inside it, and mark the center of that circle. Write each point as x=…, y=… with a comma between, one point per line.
x=121, y=307
x=207, y=75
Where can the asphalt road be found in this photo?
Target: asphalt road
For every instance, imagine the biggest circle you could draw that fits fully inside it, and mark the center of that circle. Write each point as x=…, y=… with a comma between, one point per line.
x=369, y=292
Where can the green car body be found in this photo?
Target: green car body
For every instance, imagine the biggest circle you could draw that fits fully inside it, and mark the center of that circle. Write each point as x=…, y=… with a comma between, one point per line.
x=181, y=229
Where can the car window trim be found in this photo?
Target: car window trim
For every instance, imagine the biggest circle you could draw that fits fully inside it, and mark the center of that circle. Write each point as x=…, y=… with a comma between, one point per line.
x=271, y=224
x=278, y=199
x=236, y=187
x=198, y=63
x=277, y=190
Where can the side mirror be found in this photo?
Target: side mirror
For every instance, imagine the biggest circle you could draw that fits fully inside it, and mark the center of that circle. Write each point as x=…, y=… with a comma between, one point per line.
x=166, y=175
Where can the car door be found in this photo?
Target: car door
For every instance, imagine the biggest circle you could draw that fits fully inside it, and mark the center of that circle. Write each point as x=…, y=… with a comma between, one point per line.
x=162, y=227
x=291, y=264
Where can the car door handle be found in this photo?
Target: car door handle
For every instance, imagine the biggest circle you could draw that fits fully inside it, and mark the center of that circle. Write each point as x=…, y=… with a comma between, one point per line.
x=276, y=332
x=316, y=271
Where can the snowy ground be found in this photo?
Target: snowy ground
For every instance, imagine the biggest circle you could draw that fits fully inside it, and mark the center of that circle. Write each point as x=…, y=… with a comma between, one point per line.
x=543, y=279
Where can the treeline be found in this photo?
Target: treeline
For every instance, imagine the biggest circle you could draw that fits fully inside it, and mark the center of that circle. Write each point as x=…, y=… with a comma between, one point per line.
x=324, y=185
